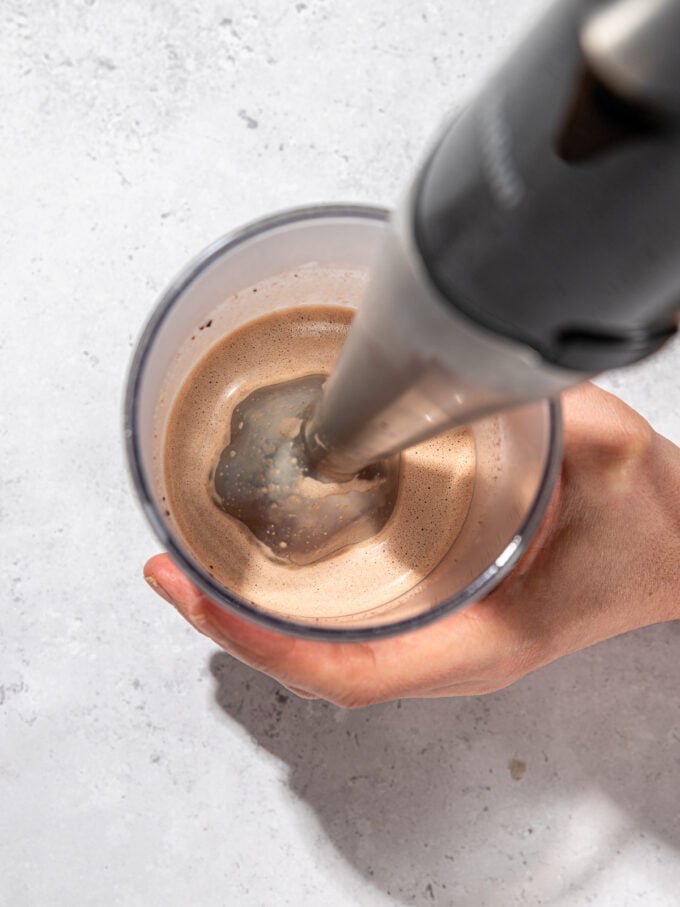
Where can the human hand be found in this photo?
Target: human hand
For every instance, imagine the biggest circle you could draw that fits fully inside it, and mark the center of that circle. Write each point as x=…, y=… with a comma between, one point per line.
x=605, y=560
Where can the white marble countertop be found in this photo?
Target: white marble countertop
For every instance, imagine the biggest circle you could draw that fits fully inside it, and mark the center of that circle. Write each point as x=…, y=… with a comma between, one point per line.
x=139, y=765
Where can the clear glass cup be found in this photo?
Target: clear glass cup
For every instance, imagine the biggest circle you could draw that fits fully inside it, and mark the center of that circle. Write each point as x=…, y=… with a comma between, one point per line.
x=518, y=453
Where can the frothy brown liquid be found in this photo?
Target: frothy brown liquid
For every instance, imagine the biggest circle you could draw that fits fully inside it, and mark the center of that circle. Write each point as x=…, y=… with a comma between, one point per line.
x=266, y=479
x=435, y=482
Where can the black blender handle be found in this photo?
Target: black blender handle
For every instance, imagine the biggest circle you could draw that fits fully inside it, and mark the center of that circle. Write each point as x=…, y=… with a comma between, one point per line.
x=549, y=211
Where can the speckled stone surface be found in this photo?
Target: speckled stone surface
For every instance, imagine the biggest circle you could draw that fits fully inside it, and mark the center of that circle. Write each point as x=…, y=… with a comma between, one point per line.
x=138, y=765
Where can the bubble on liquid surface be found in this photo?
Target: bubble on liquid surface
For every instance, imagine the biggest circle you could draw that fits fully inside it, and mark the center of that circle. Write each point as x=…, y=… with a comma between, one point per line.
x=263, y=478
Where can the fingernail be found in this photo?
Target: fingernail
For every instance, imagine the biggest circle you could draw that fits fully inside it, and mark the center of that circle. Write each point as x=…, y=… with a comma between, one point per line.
x=204, y=624
x=156, y=586
x=303, y=694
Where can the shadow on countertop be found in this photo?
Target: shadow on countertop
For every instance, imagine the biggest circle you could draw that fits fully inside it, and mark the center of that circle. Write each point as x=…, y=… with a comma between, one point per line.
x=492, y=800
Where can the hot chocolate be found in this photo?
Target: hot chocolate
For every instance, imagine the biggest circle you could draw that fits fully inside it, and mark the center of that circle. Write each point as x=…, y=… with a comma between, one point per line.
x=434, y=485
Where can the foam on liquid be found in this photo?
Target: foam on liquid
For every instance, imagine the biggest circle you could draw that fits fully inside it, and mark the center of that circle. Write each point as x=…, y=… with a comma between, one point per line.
x=435, y=481
x=265, y=479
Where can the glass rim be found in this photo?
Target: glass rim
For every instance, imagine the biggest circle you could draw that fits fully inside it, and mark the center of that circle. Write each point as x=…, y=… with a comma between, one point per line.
x=478, y=588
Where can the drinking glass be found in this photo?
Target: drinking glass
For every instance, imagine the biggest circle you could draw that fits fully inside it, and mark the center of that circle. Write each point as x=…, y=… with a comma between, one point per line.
x=518, y=452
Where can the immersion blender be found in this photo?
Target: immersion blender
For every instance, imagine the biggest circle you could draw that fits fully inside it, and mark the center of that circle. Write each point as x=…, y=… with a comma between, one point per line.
x=539, y=243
